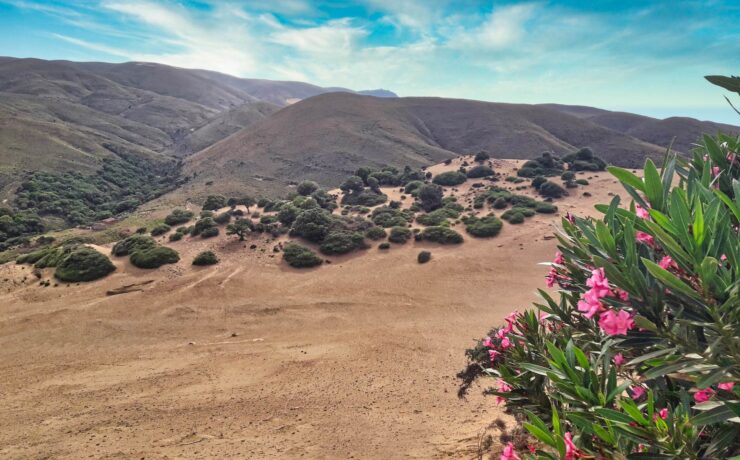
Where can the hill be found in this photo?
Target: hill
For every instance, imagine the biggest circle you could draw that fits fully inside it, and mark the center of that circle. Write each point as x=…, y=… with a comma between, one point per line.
x=682, y=131
x=325, y=137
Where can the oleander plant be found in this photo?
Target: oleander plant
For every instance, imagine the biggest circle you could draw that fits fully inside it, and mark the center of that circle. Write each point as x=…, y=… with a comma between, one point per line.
x=634, y=350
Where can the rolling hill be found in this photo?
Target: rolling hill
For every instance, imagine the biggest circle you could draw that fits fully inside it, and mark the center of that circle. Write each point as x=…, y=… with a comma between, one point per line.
x=326, y=137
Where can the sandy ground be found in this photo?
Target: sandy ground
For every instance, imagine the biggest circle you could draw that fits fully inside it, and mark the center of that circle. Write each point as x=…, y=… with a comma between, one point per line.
x=252, y=359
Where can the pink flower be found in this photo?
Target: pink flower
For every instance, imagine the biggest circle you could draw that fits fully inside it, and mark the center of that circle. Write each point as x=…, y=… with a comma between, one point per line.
x=551, y=278
x=727, y=386
x=666, y=262
x=618, y=359
x=571, y=451
x=571, y=218
x=493, y=354
x=715, y=171
x=506, y=343
x=643, y=237
x=509, y=453
x=637, y=392
x=624, y=296
x=532, y=448
x=641, y=212
x=503, y=388
x=703, y=395
x=487, y=342
x=616, y=322
x=663, y=413
x=559, y=259
x=543, y=316
x=590, y=309
x=598, y=283
x=723, y=258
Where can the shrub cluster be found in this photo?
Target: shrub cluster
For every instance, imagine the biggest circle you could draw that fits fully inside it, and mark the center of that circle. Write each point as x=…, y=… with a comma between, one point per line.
x=205, y=258
x=441, y=235
x=178, y=217
x=399, y=235
x=154, y=257
x=132, y=244
x=450, y=178
x=300, y=256
x=551, y=190
x=83, y=264
x=342, y=242
x=479, y=171
x=375, y=233
x=584, y=160
x=160, y=230
x=483, y=227
x=546, y=165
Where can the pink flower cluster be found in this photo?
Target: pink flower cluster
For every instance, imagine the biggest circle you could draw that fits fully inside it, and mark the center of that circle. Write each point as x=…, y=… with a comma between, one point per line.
x=553, y=275
x=641, y=212
x=503, y=388
x=504, y=341
x=571, y=451
x=613, y=322
x=509, y=453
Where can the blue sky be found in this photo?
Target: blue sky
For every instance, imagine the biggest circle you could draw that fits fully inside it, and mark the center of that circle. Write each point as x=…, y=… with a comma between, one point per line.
x=645, y=57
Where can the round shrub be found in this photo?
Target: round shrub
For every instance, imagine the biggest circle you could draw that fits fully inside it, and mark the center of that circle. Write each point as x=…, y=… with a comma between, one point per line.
x=160, y=230
x=441, y=235
x=424, y=257
x=430, y=196
x=154, y=257
x=210, y=232
x=133, y=243
x=312, y=224
x=375, y=233
x=479, y=171
x=537, y=181
x=205, y=258
x=552, y=190
x=546, y=208
x=300, y=256
x=83, y=264
x=384, y=246
x=177, y=236
x=214, y=202
x=568, y=176
x=399, y=235
x=482, y=156
x=287, y=214
x=581, y=181
x=516, y=218
x=177, y=217
x=413, y=187
x=223, y=218
x=341, y=242
x=450, y=178
x=307, y=187
x=483, y=227
x=202, y=225
x=500, y=203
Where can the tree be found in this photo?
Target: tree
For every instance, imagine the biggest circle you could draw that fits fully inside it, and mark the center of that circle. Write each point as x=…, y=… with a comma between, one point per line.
x=287, y=214
x=247, y=202
x=240, y=228
x=352, y=184
x=430, y=196
x=312, y=224
x=374, y=184
x=307, y=187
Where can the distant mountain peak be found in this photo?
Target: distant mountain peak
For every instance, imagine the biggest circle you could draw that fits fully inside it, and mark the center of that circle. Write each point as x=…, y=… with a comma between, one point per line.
x=380, y=92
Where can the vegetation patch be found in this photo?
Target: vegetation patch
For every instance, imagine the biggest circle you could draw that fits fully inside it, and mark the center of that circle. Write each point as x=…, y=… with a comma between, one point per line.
x=154, y=257
x=424, y=257
x=160, y=230
x=205, y=258
x=399, y=235
x=375, y=233
x=450, y=178
x=584, y=160
x=133, y=243
x=547, y=165
x=441, y=235
x=300, y=256
x=341, y=242
x=178, y=217
x=479, y=171
x=83, y=264
x=483, y=227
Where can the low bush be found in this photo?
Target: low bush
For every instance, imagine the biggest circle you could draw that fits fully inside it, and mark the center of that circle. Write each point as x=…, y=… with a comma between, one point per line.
x=384, y=246
x=424, y=257
x=205, y=258
x=499, y=203
x=546, y=208
x=483, y=227
x=480, y=157
x=214, y=202
x=133, y=243
x=584, y=160
x=399, y=235
x=552, y=190
x=389, y=217
x=449, y=178
x=430, y=196
x=177, y=236
x=581, y=181
x=437, y=217
x=441, y=235
x=412, y=188
x=160, y=230
x=568, y=176
x=223, y=218
x=537, y=181
x=154, y=257
x=375, y=233
x=177, y=217
x=83, y=264
x=210, y=232
x=366, y=197
x=300, y=256
x=341, y=242
x=312, y=224
x=479, y=171
x=202, y=225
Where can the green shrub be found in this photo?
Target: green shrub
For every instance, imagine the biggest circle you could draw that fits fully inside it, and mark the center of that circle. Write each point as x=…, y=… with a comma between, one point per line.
x=133, y=243
x=312, y=224
x=412, y=188
x=223, y=218
x=568, y=176
x=449, y=178
x=479, y=171
x=500, y=203
x=546, y=208
x=483, y=227
x=389, y=217
x=424, y=257
x=514, y=218
x=214, y=202
x=552, y=190
x=364, y=198
x=177, y=217
x=480, y=157
x=341, y=242
x=375, y=233
x=205, y=258
x=240, y=228
x=430, y=196
x=581, y=182
x=154, y=257
x=546, y=165
x=83, y=264
x=436, y=217
x=287, y=214
x=160, y=230
x=202, y=225
x=442, y=235
x=300, y=256
x=209, y=232
x=307, y=187
x=177, y=236
x=584, y=160
x=399, y=235
x=384, y=246
x=537, y=181
x=269, y=219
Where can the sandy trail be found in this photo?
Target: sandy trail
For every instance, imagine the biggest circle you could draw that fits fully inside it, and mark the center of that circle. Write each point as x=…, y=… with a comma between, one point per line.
x=252, y=359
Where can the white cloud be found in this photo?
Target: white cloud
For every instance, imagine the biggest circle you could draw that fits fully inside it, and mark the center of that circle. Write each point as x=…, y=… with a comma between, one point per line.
x=337, y=38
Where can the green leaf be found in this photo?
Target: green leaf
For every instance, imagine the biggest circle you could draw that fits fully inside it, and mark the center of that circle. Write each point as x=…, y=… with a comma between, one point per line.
x=698, y=227
x=627, y=178
x=717, y=415
x=653, y=185
x=540, y=434
x=670, y=280
x=614, y=416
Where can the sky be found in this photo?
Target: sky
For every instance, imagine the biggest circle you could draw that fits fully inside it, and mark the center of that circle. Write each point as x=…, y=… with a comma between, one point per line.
x=643, y=57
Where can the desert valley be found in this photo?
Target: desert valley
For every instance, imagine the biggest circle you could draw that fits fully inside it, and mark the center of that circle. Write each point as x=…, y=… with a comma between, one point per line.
x=199, y=265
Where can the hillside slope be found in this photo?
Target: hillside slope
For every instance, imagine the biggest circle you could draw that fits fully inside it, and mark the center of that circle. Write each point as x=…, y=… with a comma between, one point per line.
x=682, y=131
x=328, y=136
